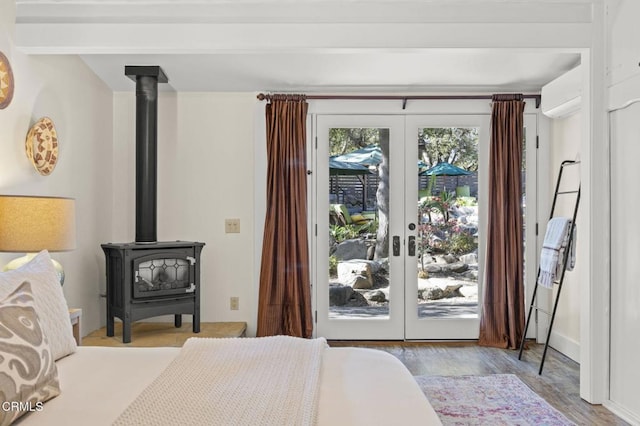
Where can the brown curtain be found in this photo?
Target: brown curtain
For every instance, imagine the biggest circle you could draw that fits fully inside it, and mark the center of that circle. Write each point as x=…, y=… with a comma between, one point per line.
x=502, y=316
x=284, y=305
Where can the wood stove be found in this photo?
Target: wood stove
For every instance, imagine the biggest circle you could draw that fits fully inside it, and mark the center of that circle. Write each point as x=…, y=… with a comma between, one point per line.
x=147, y=278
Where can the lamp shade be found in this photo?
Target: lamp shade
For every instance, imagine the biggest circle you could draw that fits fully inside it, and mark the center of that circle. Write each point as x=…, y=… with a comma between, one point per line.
x=29, y=224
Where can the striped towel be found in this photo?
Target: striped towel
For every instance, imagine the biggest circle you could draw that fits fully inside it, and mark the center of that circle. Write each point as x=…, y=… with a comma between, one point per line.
x=556, y=237
x=571, y=263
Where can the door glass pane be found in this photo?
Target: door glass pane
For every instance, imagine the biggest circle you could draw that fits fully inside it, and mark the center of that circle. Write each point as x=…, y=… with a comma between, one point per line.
x=359, y=223
x=447, y=238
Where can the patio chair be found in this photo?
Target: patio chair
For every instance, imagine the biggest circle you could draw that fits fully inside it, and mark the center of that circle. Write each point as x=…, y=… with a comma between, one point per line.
x=343, y=215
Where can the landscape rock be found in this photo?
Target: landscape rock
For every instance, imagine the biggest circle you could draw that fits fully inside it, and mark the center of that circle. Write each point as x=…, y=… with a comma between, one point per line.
x=351, y=249
x=355, y=274
x=357, y=300
x=382, y=264
x=471, y=275
x=427, y=258
x=339, y=295
x=439, y=260
x=435, y=293
x=371, y=251
x=376, y=296
x=449, y=258
x=361, y=282
x=433, y=268
x=332, y=245
x=469, y=259
x=452, y=291
x=457, y=267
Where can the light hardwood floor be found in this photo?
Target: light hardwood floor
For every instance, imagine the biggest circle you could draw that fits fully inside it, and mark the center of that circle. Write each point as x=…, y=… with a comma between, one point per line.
x=558, y=384
x=152, y=334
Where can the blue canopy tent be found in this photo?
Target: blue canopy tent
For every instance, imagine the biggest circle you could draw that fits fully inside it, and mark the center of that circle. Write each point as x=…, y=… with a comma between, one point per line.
x=367, y=156
x=337, y=167
x=445, y=169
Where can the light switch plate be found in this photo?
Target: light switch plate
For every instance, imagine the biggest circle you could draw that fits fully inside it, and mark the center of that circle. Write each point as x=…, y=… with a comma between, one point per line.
x=232, y=226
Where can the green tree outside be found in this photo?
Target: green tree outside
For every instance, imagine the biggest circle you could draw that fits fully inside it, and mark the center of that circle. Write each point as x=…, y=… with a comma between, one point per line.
x=454, y=145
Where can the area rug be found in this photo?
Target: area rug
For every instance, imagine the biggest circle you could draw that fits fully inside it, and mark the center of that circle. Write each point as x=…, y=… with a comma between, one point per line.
x=498, y=399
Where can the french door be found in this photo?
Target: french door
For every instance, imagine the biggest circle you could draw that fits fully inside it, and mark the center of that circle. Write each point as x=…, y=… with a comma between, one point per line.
x=443, y=277
x=399, y=243
x=348, y=277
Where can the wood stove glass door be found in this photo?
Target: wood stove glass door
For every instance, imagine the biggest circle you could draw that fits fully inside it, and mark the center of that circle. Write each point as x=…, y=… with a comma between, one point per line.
x=163, y=274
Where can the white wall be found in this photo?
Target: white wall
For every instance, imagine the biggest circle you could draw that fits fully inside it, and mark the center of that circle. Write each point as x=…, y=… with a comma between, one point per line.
x=566, y=135
x=66, y=90
x=205, y=174
x=623, y=52
x=625, y=251
x=624, y=116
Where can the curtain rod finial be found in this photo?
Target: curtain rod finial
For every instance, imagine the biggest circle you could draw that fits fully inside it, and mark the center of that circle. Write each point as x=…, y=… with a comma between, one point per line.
x=261, y=97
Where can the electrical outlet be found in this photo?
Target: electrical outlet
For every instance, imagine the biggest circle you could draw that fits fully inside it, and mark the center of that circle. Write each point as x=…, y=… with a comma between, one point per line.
x=232, y=226
x=234, y=303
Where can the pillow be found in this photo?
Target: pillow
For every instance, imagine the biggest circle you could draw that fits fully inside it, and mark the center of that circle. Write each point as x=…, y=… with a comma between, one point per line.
x=49, y=300
x=28, y=372
x=358, y=218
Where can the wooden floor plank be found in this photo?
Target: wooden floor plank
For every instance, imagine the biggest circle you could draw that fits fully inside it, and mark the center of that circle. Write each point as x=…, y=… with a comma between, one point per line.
x=559, y=383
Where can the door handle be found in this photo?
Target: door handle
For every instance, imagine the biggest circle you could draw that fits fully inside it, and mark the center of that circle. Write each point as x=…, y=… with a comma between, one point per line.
x=396, y=245
x=412, y=245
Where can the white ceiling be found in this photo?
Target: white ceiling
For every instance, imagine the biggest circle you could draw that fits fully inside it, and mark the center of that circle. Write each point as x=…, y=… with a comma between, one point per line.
x=448, y=70
x=316, y=45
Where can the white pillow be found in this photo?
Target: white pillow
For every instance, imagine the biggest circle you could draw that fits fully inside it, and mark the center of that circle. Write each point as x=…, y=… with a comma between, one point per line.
x=29, y=375
x=49, y=300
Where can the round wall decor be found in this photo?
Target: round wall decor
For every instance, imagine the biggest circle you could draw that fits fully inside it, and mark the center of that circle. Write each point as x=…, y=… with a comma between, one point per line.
x=42, y=146
x=6, y=82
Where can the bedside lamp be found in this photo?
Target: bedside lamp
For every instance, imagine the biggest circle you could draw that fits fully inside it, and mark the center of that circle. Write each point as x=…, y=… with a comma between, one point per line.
x=29, y=224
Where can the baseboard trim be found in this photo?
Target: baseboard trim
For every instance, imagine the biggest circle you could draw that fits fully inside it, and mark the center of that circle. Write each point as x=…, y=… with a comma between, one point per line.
x=622, y=412
x=565, y=346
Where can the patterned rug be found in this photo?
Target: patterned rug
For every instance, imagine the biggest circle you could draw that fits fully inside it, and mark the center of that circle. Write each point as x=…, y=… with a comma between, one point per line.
x=498, y=399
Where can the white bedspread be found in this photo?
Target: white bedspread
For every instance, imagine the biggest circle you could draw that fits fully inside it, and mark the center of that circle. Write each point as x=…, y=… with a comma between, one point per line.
x=253, y=381
x=357, y=387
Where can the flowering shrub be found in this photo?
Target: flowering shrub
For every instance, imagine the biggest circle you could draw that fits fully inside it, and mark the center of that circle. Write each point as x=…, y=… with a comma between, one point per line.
x=438, y=232
x=462, y=242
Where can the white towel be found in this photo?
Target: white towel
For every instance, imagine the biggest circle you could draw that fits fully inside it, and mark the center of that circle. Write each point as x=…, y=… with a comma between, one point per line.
x=557, y=234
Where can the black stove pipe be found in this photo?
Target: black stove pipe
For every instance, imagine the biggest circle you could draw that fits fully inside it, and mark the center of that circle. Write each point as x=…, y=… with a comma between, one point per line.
x=147, y=79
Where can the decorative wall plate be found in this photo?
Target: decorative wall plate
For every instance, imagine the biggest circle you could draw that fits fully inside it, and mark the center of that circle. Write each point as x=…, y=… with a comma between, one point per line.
x=42, y=146
x=6, y=82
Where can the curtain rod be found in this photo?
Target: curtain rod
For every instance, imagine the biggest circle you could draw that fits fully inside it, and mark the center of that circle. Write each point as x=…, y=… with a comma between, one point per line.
x=404, y=99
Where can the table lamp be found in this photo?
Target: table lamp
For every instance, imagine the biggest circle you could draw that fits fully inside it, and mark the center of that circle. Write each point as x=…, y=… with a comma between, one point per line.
x=30, y=224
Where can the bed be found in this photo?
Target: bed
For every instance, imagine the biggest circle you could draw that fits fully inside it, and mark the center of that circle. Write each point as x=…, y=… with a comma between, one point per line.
x=357, y=387
x=206, y=382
